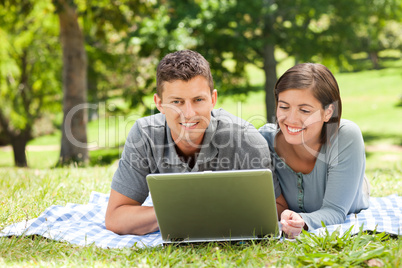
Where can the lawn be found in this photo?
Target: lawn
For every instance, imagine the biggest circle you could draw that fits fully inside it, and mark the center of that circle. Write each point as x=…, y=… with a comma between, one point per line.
x=28, y=192
x=370, y=98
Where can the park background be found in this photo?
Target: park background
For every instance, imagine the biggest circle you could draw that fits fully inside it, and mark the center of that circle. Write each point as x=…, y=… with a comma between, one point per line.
x=58, y=55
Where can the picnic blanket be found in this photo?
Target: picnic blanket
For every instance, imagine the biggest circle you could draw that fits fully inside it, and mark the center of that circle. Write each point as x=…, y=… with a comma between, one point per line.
x=84, y=224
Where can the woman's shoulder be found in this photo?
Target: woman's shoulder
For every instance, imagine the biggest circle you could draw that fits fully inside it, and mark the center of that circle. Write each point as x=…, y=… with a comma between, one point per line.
x=349, y=135
x=269, y=127
x=349, y=128
x=269, y=131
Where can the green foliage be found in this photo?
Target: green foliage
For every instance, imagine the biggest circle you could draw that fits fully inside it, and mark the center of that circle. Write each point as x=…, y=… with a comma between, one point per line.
x=113, y=63
x=29, y=70
x=29, y=67
x=233, y=34
x=184, y=25
x=377, y=28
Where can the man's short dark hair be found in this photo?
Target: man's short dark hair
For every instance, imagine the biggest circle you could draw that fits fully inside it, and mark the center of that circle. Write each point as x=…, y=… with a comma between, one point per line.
x=182, y=65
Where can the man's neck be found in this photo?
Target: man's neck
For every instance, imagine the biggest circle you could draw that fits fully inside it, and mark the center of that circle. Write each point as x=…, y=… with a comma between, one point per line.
x=189, y=155
x=188, y=149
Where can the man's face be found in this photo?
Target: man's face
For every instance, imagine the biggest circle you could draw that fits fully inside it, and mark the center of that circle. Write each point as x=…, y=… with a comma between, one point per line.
x=187, y=107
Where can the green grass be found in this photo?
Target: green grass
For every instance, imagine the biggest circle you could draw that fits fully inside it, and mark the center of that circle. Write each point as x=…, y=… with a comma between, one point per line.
x=28, y=192
x=36, y=159
x=337, y=251
x=52, y=139
x=370, y=98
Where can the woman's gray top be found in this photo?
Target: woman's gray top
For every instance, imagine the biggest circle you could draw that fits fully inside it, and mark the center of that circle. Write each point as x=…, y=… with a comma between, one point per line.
x=335, y=187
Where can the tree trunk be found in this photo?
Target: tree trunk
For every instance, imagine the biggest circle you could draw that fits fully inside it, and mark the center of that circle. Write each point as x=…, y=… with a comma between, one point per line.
x=19, y=144
x=18, y=139
x=270, y=80
x=374, y=59
x=74, y=134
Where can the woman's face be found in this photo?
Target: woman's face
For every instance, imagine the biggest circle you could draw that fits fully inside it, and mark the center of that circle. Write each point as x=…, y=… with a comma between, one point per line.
x=301, y=117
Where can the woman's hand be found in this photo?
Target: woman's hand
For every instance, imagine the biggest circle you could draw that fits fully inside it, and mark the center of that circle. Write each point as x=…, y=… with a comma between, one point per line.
x=292, y=223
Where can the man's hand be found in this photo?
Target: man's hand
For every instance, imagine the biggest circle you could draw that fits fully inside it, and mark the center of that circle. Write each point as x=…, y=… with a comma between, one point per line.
x=292, y=223
x=126, y=216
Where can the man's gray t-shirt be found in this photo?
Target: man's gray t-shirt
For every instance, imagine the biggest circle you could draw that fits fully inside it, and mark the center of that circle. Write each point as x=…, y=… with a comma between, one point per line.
x=229, y=143
x=336, y=185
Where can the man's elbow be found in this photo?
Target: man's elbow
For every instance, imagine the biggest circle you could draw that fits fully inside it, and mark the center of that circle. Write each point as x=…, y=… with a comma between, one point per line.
x=111, y=225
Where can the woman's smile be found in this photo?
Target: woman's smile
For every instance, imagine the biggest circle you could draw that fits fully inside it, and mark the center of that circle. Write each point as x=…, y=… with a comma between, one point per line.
x=294, y=130
x=300, y=117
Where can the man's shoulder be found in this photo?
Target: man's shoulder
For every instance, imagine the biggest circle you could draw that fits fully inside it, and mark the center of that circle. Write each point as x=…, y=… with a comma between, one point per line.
x=155, y=120
x=224, y=118
x=234, y=130
x=153, y=126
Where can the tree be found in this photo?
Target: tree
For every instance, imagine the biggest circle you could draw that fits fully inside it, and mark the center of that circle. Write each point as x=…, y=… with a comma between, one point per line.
x=113, y=61
x=381, y=29
x=232, y=34
x=240, y=32
x=28, y=70
x=104, y=24
x=252, y=31
x=177, y=25
x=74, y=134
x=249, y=32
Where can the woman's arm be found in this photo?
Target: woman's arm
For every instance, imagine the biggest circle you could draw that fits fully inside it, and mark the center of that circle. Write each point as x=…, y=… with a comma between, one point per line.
x=292, y=223
x=345, y=174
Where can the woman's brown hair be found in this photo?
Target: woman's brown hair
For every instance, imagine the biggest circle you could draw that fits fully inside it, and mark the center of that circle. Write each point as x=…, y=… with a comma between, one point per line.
x=324, y=87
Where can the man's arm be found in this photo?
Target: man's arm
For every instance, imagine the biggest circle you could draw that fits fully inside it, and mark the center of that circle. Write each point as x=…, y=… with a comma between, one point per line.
x=126, y=216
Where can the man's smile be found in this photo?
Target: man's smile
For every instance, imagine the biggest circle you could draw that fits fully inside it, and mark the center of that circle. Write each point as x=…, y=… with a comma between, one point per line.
x=188, y=125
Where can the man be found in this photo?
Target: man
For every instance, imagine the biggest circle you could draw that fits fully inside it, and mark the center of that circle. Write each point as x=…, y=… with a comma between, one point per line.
x=187, y=136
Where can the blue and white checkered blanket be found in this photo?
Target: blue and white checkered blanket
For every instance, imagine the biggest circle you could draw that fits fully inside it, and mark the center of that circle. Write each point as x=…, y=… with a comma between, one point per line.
x=85, y=224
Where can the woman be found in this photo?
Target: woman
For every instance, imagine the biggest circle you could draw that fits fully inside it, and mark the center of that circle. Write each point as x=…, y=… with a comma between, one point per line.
x=319, y=159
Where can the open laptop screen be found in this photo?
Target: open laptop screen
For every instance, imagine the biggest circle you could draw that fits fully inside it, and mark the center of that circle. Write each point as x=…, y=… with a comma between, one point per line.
x=214, y=206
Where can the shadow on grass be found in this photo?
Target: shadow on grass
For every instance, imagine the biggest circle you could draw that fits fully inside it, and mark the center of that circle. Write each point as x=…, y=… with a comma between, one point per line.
x=375, y=137
x=399, y=104
x=104, y=157
x=372, y=137
x=363, y=64
x=369, y=154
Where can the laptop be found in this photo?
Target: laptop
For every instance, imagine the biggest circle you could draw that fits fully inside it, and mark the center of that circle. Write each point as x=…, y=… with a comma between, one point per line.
x=208, y=206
